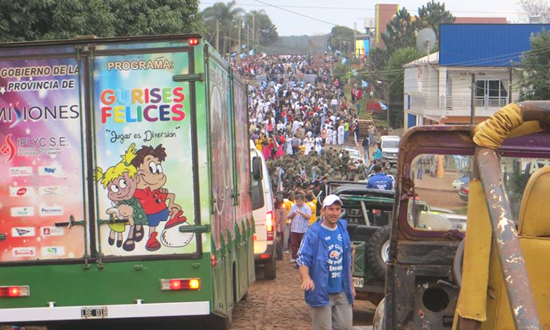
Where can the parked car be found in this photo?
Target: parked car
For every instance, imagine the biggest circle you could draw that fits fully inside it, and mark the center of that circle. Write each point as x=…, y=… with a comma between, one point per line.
x=389, y=144
x=463, y=192
x=463, y=180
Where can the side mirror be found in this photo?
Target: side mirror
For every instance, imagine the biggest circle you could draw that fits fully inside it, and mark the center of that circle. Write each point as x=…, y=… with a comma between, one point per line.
x=257, y=168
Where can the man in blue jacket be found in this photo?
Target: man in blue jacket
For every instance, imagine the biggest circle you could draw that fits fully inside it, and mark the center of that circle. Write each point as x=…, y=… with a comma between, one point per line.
x=325, y=261
x=379, y=180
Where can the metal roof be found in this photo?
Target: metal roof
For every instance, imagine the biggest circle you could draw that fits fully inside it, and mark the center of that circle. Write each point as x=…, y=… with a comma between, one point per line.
x=485, y=45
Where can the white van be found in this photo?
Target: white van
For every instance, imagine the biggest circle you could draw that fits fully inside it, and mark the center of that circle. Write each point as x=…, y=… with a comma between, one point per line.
x=389, y=144
x=262, y=211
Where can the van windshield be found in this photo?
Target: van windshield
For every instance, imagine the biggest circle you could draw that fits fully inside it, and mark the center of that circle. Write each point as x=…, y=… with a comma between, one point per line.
x=390, y=144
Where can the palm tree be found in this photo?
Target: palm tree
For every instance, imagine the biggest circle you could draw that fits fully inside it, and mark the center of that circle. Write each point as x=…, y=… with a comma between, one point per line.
x=228, y=17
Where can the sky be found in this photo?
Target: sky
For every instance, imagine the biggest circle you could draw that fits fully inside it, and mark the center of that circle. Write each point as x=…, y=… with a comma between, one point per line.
x=327, y=13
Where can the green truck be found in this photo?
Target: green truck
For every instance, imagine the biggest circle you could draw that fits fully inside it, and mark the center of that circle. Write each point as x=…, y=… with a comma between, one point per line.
x=125, y=182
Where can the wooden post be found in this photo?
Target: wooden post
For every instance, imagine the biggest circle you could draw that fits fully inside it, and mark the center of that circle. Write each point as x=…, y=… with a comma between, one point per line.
x=472, y=100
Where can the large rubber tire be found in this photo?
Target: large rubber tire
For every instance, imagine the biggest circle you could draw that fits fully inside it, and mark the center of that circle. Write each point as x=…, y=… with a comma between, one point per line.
x=270, y=269
x=378, y=241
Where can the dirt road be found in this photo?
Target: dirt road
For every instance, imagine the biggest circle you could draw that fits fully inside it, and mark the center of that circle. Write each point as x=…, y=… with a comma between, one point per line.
x=279, y=304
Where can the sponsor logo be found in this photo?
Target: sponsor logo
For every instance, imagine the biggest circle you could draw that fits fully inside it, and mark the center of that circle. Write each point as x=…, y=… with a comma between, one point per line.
x=9, y=149
x=46, y=211
x=23, y=252
x=49, y=170
x=52, y=231
x=49, y=191
x=334, y=254
x=23, y=211
x=20, y=171
x=53, y=251
x=23, y=232
x=21, y=191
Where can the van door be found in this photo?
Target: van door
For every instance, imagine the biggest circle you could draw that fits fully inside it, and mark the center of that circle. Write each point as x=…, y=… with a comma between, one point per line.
x=144, y=151
x=42, y=157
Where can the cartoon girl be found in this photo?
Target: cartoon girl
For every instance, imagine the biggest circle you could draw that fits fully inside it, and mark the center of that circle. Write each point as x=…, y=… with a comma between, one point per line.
x=121, y=182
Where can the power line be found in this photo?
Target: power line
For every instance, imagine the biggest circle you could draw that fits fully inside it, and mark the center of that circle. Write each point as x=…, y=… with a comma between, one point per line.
x=366, y=9
x=296, y=13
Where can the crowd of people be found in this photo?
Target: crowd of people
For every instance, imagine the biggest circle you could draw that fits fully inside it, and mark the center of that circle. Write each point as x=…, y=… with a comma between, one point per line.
x=300, y=118
x=299, y=108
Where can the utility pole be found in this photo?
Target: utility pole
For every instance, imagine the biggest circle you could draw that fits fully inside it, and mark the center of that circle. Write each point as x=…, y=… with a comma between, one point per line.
x=218, y=35
x=472, y=100
x=355, y=39
x=510, y=84
x=253, y=29
x=240, y=25
x=388, y=106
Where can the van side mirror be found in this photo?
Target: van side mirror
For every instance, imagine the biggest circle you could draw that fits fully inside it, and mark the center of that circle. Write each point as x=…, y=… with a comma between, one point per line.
x=257, y=168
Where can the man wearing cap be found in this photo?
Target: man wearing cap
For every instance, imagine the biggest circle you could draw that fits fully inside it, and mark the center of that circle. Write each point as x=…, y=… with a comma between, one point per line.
x=324, y=261
x=300, y=214
x=379, y=180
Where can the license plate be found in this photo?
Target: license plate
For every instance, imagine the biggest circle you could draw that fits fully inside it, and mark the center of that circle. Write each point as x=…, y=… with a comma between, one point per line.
x=358, y=282
x=94, y=312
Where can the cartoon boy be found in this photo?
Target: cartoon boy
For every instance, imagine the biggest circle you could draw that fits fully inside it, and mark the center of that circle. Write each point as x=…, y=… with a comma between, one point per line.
x=149, y=193
x=121, y=182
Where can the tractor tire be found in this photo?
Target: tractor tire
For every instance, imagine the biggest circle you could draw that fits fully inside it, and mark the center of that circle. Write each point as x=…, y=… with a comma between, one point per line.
x=377, y=245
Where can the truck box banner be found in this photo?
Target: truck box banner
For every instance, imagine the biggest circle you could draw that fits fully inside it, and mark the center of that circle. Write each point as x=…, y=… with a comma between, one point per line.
x=143, y=154
x=41, y=178
x=222, y=164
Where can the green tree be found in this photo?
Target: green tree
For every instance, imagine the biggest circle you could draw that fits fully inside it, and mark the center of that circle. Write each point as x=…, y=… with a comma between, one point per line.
x=431, y=15
x=265, y=31
x=224, y=19
x=395, y=78
x=50, y=19
x=342, y=38
x=535, y=81
x=400, y=32
x=146, y=17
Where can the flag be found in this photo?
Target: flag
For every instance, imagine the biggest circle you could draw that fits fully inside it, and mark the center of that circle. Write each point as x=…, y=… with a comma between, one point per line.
x=242, y=55
x=344, y=61
x=243, y=46
x=234, y=54
x=354, y=72
x=251, y=52
x=264, y=55
x=329, y=48
x=364, y=84
x=337, y=52
x=383, y=106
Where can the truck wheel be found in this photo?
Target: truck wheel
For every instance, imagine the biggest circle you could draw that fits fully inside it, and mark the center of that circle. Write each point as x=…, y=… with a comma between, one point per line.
x=270, y=269
x=378, y=250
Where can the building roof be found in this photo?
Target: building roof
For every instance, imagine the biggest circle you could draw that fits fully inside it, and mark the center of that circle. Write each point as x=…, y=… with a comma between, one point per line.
x=431, y=59
x=480, y=20
x=485, y=45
